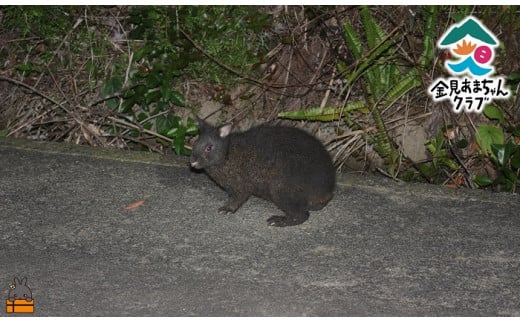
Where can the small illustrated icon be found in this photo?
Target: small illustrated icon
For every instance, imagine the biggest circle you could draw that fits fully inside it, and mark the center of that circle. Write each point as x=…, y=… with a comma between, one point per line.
x=20, y=298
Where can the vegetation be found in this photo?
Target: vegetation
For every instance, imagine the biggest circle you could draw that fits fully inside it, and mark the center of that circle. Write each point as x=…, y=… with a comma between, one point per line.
x=135, y=77
x=139, y=72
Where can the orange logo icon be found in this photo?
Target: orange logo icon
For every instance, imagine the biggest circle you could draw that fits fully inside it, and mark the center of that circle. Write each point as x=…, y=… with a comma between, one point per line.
x=20, y=298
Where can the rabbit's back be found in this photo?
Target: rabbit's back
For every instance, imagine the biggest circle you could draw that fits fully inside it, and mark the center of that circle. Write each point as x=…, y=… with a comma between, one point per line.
x=277, y=163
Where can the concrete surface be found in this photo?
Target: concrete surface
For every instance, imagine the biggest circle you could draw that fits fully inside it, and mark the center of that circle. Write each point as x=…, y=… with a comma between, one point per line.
x=378, y=249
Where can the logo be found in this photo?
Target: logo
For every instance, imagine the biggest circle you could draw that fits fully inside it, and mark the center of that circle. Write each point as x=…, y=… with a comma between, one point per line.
x=20, y=298
x=471, y=48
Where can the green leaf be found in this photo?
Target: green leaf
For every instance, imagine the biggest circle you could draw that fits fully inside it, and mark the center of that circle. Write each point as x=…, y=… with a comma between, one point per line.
x=192, y=127
x=408, y=82
x=177, y=98
x=152, y=97
x=488, y=135
x=510, y=149
x=164, y=124
x=321, y=114
x=141, y=116
x=512, y=154
x=516, y=131
x=128, y=93
x=160, y=106
x=153, y=80
x=493, y=113
x=112, y=104
x=374, y=32
x=178, y=145
x=372, y=69
x=26, y=68
x=504, y=152
x=141, y=52
x=450, y=163
x=112, y=85
x=499, y=151
x=127, y=105
x=463, y=143
x=176, y=132
x=514, y=76
x=165, y=92
x=515, y=160
x=510, y=175
x=148, y=125
x=4, y=133
x=430, y=14
x=482, y=181
x=426, y=170
x=357, y=106
x=140, y=92
x=353, y=41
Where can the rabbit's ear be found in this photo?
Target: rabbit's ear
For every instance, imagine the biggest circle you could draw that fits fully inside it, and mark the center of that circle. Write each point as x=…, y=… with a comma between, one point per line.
x=16, y=281
x=24, y=281
x=203, y=125
x=225, y=130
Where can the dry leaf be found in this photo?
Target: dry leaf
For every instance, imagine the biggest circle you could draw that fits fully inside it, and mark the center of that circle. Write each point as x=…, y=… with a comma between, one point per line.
x=134, y=205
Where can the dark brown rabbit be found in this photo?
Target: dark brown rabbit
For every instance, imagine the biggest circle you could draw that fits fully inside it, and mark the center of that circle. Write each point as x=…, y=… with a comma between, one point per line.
x=284, y=165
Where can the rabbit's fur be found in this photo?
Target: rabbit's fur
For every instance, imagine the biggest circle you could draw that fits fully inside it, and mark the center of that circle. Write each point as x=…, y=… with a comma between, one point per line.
x=285, y=165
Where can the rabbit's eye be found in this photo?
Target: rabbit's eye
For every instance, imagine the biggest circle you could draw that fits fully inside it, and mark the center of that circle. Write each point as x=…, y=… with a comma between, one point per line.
x=209, y=148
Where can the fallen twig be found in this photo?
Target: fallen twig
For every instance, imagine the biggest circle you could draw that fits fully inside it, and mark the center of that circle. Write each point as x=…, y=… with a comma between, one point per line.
x=43, y=95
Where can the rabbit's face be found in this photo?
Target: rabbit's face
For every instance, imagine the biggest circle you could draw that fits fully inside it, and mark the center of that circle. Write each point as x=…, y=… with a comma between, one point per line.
x=211, y=147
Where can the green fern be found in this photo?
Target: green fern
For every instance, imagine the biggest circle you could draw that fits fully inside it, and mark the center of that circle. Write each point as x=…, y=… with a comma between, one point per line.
x=381, y=78
x=324, y=114
x=430, y=24
x=405, y=84
x=384, y=80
